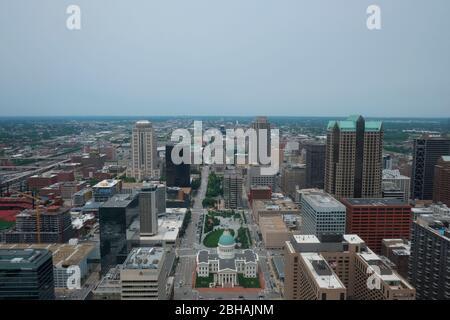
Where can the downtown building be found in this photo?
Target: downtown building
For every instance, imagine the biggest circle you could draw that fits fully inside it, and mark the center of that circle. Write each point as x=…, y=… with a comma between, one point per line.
x=144, y=151
x=177, y=175
x=315, y=165
x=322, y=214
x=338, y=268
x=262, y=126
x=377, y=219
x=292, y=179
x=152, y=202
x=429, y=264
x=353, y=167
x=26, y=274
x=426, y=153
x=232, y=189
x=54, y=225
x=396, y=185
x=441, y=192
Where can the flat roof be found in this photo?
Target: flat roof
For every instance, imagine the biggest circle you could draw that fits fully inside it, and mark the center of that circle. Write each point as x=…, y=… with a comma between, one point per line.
x=303, y=238
x=22, y=258
x=119, y=201
x=322, y=200
x=107, y=183
x=376, y=202
x=63, y=254
x=323, y=274
x=144, y=258
x=352, y=238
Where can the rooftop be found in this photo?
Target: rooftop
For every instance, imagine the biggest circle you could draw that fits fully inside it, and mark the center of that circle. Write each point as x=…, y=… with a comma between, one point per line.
x=108, y=183
x=322, y=200
x=350, y=124
x=323, y=274
x=376, y=202
x=303, y=238
x=144, y=258
x=22, y=258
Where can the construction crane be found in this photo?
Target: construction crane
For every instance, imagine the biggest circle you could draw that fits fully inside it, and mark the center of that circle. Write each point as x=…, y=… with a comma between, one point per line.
x=36, y=203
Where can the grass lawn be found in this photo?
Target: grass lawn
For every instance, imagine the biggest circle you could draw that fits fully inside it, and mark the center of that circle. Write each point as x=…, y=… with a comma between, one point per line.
x=6, y=224
x=203, y=282
x=212, y=239
x=243, y=238
x=248, y=282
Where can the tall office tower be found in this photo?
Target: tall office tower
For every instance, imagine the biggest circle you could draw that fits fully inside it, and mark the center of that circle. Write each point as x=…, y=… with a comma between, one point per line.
x=393, y=182
x=354, y=158
x=26, y=274
x=292, y=178
x=429, y=263
x=427, y=151
x=177, y=175
x=339, y=267
x=258, y=124
x=387, y=162
x=322, y=214
x=441, y=192
x=55, y=226
x=152, y=202
x=115, y=217
x=143, y=150
x=232, y=189
x=144, y=274
x=315, y=165
x=377, y=219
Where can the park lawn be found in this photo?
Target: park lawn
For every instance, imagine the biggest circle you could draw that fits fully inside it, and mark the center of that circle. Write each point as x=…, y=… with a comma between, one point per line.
x=212, y=239
x=203, y=282
x=248, y=282
x=243, y=238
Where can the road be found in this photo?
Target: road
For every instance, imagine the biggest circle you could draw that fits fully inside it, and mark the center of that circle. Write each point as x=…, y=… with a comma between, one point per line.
x=190, y=244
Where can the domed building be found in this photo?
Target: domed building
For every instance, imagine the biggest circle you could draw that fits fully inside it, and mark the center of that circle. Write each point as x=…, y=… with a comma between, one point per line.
x=225, y=263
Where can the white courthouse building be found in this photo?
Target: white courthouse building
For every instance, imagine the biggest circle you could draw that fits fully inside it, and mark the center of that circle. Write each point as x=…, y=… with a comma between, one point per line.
x=226, y=264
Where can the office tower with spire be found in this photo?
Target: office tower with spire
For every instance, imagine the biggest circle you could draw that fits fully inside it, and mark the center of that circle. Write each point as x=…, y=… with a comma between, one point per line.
x=354, y=159
x=143, y=151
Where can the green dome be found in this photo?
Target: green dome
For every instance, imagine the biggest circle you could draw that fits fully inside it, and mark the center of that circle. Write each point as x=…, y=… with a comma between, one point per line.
x=226, y=239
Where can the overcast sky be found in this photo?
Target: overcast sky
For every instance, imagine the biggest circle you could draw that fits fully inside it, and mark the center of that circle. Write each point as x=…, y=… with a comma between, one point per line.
x=225, y=57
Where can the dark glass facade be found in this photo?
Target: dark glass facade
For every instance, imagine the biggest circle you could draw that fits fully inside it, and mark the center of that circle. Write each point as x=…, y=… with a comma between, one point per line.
x=177, y=175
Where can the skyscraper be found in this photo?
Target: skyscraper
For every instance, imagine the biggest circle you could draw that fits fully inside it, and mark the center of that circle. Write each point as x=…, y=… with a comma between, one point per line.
x=261, y=123
x=143, y=149
x=177, y=175
x=429, y=264
x=427, y=151
x=354, y=158
x=315, y=165
x=292, y=178
x=232, y=189
x=26, y=274
x=442, y=181
x=152, y=201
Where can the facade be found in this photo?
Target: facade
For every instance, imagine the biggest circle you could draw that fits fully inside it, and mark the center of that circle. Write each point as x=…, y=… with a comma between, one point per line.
x=54, y=225
x=337, y=268
x=26, y=274
x=261, y=125
x=152, y=202
x=426, y=153
x=377, y=219
x=394, y=180
x=115, y=217
x=177, y=175
x=255, y=178
x=354, y=158
x=398, y=252
x=259, y=193
x=143, y=151
x=293, y=178
x=144, y=274
x=225, y=266
x=232, y=189
x=429, y=264
x=441, y=192
x=315, y=165
x=322, y=214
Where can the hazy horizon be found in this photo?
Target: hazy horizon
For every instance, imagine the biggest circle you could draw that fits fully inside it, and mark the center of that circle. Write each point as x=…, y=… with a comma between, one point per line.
x=234, y=58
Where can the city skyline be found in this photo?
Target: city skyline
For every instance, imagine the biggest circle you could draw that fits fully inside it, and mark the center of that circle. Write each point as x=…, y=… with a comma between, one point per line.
x=301, y=58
